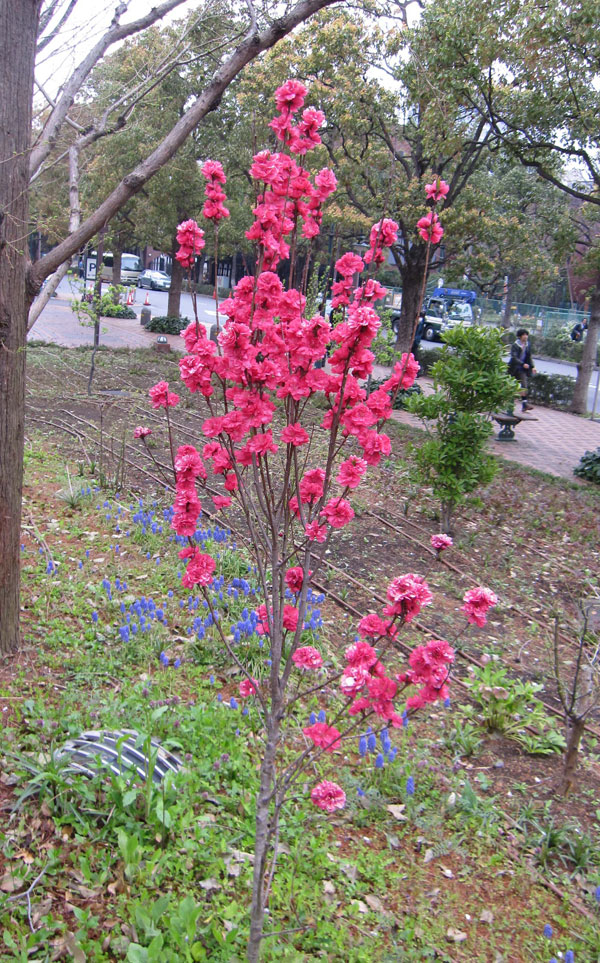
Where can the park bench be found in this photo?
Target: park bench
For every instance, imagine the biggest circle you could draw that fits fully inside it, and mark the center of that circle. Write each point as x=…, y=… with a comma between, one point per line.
x=508, y=421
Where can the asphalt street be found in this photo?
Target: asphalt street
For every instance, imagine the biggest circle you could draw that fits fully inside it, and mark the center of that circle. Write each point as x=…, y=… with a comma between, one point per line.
x=70, y=288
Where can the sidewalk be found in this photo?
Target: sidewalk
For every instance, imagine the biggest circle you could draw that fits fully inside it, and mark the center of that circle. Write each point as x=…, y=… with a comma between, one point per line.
x=553, y=444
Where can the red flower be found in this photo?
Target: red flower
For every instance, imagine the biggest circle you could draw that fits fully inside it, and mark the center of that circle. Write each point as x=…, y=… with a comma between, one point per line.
x=477, y=602
x=328, y=796
x=248, y=687
x=407, y=594
x=307, y=657
x=441, y=542
x=429, y=228
x=199, y=570
x=162, y=397
x=437, y=190
x=338, y=512
x=142, y=432
x=351, y=471
x=324, y=736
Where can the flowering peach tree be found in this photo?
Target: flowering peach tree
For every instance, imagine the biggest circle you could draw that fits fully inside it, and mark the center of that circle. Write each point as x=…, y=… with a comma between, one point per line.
x=293, y=481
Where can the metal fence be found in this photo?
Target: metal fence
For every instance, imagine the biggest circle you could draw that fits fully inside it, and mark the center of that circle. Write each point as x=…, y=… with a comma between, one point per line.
x=538, y=318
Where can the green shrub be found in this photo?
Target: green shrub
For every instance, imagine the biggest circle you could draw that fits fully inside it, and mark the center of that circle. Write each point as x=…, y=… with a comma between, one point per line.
x=589, y=466
x=470, y=381
x=402, y=396
x=117, y=311
x=167, y=324
x=554, y=391
x=428, y=357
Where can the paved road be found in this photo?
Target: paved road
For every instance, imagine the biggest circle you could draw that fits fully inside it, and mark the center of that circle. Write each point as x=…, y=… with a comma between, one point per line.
x=58, y=323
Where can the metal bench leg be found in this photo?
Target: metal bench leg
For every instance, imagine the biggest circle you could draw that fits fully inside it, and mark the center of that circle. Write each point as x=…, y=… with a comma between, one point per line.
x=506, y=433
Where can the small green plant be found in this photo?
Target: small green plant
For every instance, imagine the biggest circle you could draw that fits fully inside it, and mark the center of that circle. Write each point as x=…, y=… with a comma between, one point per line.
x=167, y=324
x=463, y=739
x=506, y=705
x=589, y=466
x=471, y=381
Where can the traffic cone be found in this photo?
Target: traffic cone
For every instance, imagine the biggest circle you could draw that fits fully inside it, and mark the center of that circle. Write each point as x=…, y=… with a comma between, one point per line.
x=129, y=301
x=147, y=301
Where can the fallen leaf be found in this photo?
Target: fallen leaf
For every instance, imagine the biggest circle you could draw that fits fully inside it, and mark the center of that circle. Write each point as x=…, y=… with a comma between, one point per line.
x=486, y=917
x=328, y=887
x=456, y=936
x=374, y=903
x=362, y=907
x=210, y=885
x=447, y=872
x=10, y=883
x=428, y=856
x=396, y=811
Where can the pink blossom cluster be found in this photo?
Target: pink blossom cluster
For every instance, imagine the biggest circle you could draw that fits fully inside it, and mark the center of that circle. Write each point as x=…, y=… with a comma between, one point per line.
x=188, y=467
x=190, y=238
x=429, y=669
x=141, y=432
x=437, y=190
x=323, y=736
x=200, y=567
x=441, y=542
x=383, y=234
x=307, y=657
x=214, y=208
x=289, y=194
x=328, y=796
x=477, y=603
x=429, y=228
x=161, y=397
x=248, y=687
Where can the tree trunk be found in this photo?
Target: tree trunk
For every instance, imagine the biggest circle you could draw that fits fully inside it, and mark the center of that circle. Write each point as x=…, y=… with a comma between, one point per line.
x=74, y=220
x=576, y=730
x=588, y=357
x=446, y=509
x=116, y=271
x=262, y=838
x=18, y=29
x=506, y=316
x=174, y=305
x=412, y=286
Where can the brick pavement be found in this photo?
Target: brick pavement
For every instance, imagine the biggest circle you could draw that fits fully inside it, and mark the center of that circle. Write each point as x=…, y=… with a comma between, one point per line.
x=553, y=444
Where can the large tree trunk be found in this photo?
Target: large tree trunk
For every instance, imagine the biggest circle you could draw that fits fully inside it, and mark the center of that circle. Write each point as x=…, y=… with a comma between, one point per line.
x=412, y=288
x=588, y=357
x=18, y=29
x=174, y=305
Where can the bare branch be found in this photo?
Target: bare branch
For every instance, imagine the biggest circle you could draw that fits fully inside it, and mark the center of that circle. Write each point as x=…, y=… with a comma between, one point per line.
x=45, y=21
x=116, y=32
x=207, y=101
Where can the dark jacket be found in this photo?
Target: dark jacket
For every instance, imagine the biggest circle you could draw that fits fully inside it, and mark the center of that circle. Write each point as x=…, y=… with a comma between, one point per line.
x=515, y=365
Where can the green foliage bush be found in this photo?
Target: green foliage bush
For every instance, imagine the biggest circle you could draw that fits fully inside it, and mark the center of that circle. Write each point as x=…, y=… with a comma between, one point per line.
x=167, y=324
x=470, y=381
x=554, y=391
x=589, y=466
x=117, y=311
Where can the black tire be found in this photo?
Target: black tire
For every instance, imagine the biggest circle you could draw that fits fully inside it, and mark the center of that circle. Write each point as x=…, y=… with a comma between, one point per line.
x=152, y=286
x=429, y=334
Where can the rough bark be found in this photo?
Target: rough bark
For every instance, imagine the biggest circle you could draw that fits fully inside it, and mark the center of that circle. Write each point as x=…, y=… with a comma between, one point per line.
x=18, y=29
x=576, y=730
x=508, y=294
x=174, y=304
x=116, y=269
x=262, y=840
x=588, y=357
x=412, y=284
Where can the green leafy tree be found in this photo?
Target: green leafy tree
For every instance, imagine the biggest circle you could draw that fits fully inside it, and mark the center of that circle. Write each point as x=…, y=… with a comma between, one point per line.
x=384, y=143
x=470, y=382
x=514, y=230
x=530, y=71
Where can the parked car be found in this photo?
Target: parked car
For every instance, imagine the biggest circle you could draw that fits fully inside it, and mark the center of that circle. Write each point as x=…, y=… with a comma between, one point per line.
x=155, y=280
